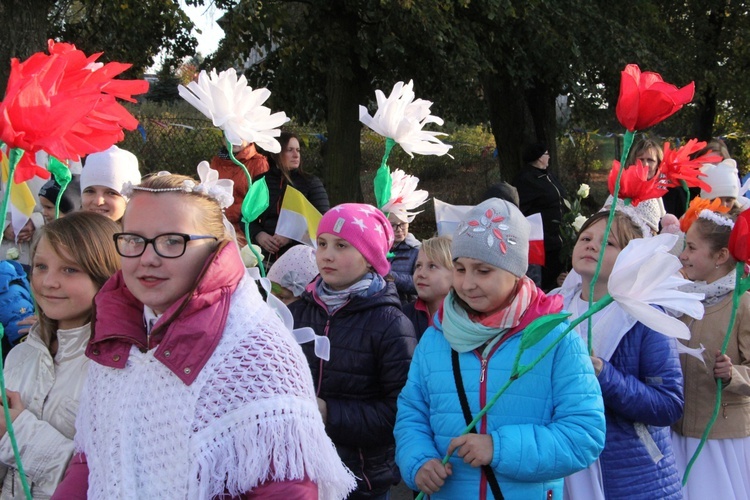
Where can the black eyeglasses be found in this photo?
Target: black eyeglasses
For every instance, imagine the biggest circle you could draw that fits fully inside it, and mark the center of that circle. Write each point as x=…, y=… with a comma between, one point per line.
x=167, y=245
x=399, y=226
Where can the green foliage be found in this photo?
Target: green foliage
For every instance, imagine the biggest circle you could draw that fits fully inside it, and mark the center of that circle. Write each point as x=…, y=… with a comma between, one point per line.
x=126, y=31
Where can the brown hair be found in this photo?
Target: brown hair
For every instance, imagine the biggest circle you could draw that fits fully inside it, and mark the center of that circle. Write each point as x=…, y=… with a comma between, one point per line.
x=438, y=249
x=86, y=237
x=210, y=216
x=716, y=235
x=284, y=139
x=623, y=227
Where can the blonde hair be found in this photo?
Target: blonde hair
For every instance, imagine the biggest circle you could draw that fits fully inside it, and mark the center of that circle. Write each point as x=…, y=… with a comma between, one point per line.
x=438, y=249
x=210, y=216
x=623, y=227
x=87, y=238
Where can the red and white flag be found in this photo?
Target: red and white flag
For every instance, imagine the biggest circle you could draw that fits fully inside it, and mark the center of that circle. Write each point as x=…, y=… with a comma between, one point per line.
x=448, y=217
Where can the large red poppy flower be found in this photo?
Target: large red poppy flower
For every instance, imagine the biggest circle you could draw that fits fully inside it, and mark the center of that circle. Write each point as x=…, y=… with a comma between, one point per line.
x=635, y=184
x=645, y=99
x=66, y=103
x=739, y=239
x=677, y=165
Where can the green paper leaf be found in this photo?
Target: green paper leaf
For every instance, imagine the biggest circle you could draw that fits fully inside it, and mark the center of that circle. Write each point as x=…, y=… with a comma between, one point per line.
x=59, y=170
x=256, y=200
x=382, y=183
x=540, y=327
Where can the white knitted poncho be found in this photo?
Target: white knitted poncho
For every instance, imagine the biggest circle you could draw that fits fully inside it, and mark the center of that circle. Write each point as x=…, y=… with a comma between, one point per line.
x=250, y=416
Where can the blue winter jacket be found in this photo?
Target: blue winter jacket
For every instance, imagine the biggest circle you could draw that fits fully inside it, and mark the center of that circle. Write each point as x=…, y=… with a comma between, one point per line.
x=642, y=382
x=548, y=424
x=403, y=259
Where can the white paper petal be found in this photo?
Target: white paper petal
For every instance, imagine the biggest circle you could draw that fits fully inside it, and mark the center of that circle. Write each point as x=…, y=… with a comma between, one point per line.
x=235, y=108
x=646, y=274
x=401, y=117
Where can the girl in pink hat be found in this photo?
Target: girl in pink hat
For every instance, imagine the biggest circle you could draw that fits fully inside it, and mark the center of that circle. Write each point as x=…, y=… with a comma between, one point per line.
x=371, y=340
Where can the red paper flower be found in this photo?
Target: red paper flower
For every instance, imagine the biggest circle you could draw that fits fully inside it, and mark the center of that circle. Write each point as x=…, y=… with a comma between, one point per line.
x=635, y=184
x=645, y=99
x=739, y=239
x=65, y=103
x=677, y=165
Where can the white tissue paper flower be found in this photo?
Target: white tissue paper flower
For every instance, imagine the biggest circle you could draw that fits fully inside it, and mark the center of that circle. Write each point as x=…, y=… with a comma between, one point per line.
x=646, y=274
x=401, y=117
x=236, y=108
x=404, y=196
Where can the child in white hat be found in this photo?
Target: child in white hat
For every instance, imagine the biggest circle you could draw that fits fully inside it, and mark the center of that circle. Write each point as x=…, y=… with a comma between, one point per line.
x=724, y=181
x=102, y=179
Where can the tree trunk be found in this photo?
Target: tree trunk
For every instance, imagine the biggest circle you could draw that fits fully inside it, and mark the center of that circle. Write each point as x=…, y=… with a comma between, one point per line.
x=541, y=102
x=506, y=104
x=342, y=159
x=704, y=121
x=25, y=28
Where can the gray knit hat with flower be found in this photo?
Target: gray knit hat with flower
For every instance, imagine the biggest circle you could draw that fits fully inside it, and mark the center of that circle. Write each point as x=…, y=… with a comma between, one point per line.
x=495, y=232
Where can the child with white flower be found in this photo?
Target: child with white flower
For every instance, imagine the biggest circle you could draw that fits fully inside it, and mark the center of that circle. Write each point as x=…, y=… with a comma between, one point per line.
x=639, y=374
x=548, y=424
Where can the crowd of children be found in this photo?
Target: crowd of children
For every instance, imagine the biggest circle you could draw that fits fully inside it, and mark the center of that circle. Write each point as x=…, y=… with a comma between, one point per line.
x=156, y=368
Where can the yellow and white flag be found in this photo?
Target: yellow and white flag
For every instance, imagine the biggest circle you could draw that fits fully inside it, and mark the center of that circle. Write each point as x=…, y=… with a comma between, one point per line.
x=22, y=201
x=298, y=218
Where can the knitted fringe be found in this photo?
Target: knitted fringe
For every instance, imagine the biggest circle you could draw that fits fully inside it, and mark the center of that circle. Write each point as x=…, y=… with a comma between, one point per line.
x=280, y=438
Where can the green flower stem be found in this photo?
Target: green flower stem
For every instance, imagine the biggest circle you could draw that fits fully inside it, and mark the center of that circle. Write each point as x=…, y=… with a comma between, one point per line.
x=14, y=157
x=246, y=223
x=736, y=296
x=687, y=193
x=59, y=198
x=627, y=142
x=516, y=373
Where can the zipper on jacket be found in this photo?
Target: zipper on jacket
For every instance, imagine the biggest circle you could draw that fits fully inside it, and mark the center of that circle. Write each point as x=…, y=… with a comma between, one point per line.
x=320, y=365
x=362, y=462
x=483, y=372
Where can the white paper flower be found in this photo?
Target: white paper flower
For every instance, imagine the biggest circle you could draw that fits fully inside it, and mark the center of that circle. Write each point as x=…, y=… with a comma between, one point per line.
x=583, y=191
x=222, y=190
x=12, y=253
x=578, y=222
x=646, y=274
x=236, y=108
x=404, y=196
x=401, y=117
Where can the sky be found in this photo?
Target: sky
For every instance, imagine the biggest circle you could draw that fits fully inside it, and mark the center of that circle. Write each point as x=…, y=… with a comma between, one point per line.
x=205, y=18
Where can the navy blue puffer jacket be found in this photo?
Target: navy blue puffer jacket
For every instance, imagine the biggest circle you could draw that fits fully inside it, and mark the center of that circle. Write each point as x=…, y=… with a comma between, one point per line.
x=642, y=388
x=372, y=344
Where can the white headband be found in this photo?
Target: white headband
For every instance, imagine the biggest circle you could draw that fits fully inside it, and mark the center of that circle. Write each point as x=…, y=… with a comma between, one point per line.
x=717, y=219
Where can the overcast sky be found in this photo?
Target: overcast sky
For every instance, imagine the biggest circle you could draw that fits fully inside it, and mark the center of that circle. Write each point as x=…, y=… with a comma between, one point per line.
x=205, y=19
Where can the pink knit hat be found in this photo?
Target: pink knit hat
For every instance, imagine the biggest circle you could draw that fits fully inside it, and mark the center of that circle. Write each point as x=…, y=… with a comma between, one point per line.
x=365, y=228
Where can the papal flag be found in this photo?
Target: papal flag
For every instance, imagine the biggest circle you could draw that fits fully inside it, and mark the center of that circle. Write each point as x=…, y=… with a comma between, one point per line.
x=298, y=219
x=448, y=217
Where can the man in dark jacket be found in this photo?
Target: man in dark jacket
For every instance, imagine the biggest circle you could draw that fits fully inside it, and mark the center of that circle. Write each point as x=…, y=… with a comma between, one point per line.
x=541, y=192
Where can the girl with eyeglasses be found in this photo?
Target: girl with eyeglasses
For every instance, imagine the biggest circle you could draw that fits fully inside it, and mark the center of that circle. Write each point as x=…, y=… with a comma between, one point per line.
x=196, y=389
x=71, y=259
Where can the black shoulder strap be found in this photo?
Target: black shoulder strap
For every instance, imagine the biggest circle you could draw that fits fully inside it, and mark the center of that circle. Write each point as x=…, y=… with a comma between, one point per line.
x=488, y=472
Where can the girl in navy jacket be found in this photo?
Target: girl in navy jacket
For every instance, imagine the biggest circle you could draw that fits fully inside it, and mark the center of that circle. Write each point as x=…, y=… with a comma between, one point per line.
x=371, y=341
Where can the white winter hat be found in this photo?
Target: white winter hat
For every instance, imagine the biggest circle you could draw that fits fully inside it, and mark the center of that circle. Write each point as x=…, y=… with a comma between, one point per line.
x=111, y=168
x=723, y=179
